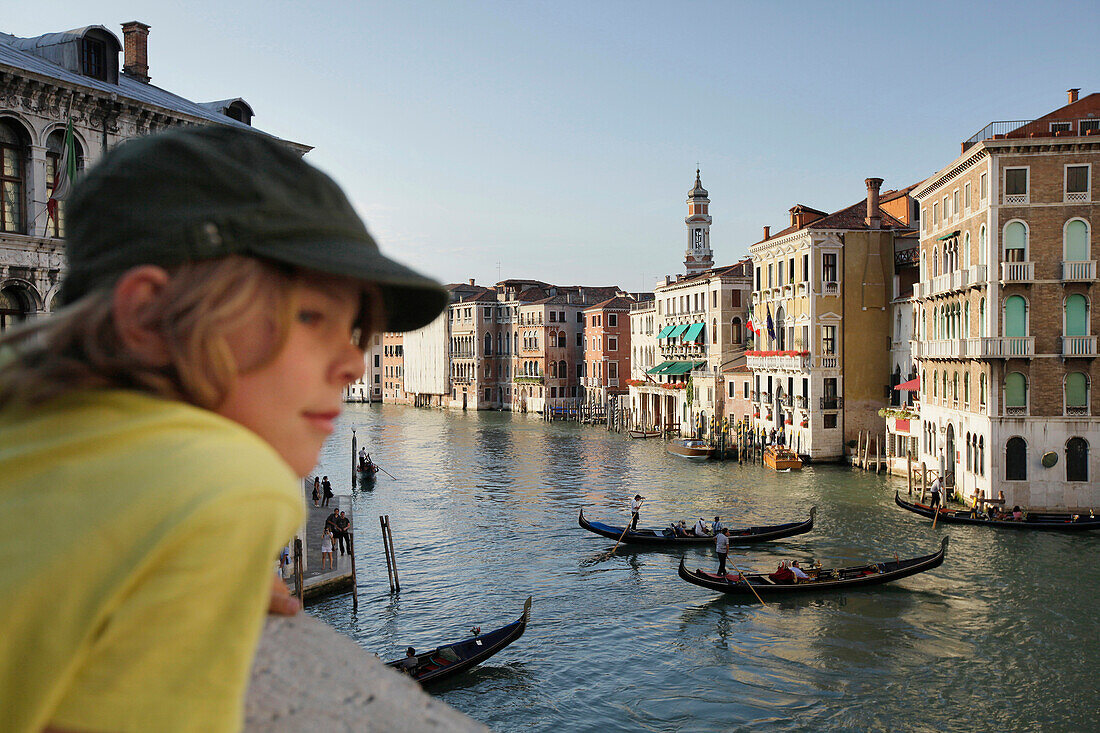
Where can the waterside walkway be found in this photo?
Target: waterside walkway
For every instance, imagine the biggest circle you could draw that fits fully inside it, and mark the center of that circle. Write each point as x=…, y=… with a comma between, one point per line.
x=317, y=582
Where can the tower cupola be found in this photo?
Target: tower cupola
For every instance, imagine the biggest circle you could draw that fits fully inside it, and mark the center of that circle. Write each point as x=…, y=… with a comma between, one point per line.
x=698, y=256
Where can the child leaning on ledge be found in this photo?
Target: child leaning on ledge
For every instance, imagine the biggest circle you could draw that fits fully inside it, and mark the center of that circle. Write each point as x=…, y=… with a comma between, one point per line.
x=219, y=296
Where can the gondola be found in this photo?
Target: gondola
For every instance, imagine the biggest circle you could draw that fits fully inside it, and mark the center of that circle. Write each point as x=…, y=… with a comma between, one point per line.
x=1057, y=522
x=451, y=659
x=644, y=433
x=821, y=579
x=737, y=536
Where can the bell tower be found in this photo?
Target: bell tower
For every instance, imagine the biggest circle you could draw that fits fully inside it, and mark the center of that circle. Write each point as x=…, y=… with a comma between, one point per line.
x=698, y=256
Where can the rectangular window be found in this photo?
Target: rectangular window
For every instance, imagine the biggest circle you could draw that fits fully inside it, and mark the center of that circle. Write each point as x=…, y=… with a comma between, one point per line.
x=828, y=340
x=580, y=317
x=1083, y=126
x=612, y=320
x=935, y=213
x=1061, y=127
x=955, y=202
x=580, y=339
x=779, y=275
x=714, y=299
x=94, y=58
x=612, y=370
x=758, y=278
x=829, y=419
x=1016, y=181
x=790, y=270
x=771, y=275
x=733, y=389
x=966, y=196
x=612, y=343
x=983, y=186
x=829, y=394
x=828, y=267
x=377, y=361
x=746, y=389
x=553, y=316
x=1077, y=179
x=924, y=216
x=946, y=210
x=805, y=268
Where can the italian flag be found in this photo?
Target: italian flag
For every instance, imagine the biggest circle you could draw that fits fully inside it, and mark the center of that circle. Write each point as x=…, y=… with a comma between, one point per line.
x=63, y=183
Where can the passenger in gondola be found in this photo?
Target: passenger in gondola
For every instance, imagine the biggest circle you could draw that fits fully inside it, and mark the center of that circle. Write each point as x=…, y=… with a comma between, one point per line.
x=782, y=574
x=680, y=529
x=717, y=526
x=798, y=573
x=1017, y=514
x=700, y=528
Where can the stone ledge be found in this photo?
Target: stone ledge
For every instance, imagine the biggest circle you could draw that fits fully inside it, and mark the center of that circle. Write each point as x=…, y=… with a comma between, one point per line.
x=307, y=676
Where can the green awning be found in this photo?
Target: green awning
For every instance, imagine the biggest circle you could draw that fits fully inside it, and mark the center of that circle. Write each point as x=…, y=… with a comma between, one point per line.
x=692, y=333
x=682, y=367
x=677, y=331
x=660, y=368
x=665, y=331
x=948, y=236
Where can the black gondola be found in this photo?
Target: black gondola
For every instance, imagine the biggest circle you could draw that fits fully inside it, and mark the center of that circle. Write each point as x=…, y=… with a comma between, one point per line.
x=821, y=579
x=737, y=536
x=448, y=660
x=1059, y=522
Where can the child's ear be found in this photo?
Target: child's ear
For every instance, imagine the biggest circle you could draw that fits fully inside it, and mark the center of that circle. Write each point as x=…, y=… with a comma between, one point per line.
x=135, y=306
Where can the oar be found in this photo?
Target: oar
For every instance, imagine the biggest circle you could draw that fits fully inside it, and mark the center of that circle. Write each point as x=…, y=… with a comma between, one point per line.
x=746, y=579
x=386, y=472
x=935, y=516
x=625, y=530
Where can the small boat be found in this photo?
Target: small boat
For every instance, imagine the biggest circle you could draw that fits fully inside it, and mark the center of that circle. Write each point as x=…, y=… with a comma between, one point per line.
x=1057, y=522
x=821, y=579
x=448, y=660
x=781, y=458
x=693, y=450
x=737, y=536
x=644, y=433
x=368, y=469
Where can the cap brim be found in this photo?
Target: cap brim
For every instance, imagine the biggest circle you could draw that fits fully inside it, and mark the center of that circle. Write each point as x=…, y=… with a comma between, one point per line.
x=411, y=300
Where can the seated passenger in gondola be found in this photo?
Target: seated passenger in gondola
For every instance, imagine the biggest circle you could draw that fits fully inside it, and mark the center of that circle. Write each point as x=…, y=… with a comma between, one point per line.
x=799, y=575
x=782, y=574
x=1017, y=514
x=700, y=528
x=681, y=529
x=409, y=663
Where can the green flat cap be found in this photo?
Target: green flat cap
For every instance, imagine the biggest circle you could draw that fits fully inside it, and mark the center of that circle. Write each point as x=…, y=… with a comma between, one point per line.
x=200, y=193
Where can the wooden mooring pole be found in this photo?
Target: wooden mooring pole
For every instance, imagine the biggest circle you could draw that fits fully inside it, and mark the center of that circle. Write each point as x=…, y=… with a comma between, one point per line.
x=354, y=477
x=391, y=558
x=354, y=577
x=299, y=572
x=909, y=470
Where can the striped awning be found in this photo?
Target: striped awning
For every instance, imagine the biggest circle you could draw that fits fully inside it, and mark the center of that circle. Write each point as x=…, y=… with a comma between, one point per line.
x=675, y=332
x=692, y=333
x=665, y=332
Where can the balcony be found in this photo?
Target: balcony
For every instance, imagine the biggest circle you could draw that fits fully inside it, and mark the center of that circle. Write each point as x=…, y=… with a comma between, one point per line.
x=1078, y=346
x=1017, y=272
x=830, y=403
x=1079, y=270
x=783, y=362
x=830, y=288
x=939, y=349
x=1001, y=347
x=830, y=362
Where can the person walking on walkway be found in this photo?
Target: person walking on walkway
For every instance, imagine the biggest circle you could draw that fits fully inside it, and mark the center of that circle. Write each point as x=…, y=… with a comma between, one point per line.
x=316, y=490
x=722, y=548
x=635, y=508
x=326, y=487
x=326, y=549
x=343, y=524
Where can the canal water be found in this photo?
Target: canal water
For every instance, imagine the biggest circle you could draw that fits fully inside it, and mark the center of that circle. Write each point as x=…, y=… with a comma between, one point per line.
x=1003, y=636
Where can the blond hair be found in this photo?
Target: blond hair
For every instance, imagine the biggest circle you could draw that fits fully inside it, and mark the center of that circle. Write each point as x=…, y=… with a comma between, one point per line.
x=79, y=347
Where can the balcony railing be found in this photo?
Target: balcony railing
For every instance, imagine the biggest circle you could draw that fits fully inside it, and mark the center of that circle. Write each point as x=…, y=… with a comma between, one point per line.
x=1015, y=411
x=830, y=288
x=1077, y=411
x=831, y=403
x=1003, y=347
x=778, y=362
x=830, y=362
x=1017, y=272
x=1078, y=346
x=1079, y=270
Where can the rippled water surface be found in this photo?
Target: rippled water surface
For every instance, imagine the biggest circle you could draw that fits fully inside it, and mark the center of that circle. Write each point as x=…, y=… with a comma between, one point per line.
x=1003, y=636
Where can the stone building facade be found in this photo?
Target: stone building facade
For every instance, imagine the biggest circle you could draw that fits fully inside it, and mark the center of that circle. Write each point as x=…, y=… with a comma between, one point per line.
x=1006, y=342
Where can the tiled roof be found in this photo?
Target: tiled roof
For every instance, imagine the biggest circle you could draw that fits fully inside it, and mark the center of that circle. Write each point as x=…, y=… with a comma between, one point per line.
x=619, y=302
x=13, y=54
x=852, y=218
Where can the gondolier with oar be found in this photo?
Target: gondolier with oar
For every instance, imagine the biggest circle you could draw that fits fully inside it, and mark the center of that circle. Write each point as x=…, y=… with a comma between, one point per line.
x=722, y=549
x=635, y=508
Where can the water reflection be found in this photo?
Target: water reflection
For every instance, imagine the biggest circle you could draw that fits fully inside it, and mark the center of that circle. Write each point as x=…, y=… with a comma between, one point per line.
x=484, y=511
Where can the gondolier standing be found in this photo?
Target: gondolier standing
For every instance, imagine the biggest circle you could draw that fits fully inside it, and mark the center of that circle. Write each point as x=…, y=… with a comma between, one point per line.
x=635, y=507
x=722, y=549
x=936, y=488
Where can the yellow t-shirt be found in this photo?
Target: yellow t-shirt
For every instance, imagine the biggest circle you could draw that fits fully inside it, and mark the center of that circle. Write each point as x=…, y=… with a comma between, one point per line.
x=137, y=543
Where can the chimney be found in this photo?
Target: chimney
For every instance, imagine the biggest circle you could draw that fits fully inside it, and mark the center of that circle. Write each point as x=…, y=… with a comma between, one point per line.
x=136, y=53
x=767, y=232
x=1072, y=94
x=471, y=281
x=874, y=218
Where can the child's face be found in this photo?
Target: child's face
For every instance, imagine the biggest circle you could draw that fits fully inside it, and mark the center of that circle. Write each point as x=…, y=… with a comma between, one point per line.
x=293, y=400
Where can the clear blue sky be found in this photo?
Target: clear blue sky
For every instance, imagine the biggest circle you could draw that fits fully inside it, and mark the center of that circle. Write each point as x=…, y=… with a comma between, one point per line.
x=560, y=139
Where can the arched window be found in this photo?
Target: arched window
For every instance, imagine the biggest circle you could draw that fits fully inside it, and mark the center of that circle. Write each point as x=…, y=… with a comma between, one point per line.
x=944, y=385
x=935, y=261
x=969, y=454
x=966, y=320
x=1015, y=316
x=736, y=330
x=1015, y=391
x=981, y=390
x=955, y=387
x=562, y=371
x=500, y=343
x=516, y=341
x=488, y=344
x=966, y=251
x=1077, y=393
x=935, y=384
x=1016, y=459
x=981, y=317
x=554, y=369
x=981, y=245
x=1077, y=459
x=1076, y=241
x=13, y=178
x=56, y=162
x=924, y=274
x=1015, y=242
x=1077, y=315
x=981, y=455
x=780, y=332
x=966, y=388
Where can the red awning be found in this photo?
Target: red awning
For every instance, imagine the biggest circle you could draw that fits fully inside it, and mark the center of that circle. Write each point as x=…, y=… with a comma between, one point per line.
x=913, y=385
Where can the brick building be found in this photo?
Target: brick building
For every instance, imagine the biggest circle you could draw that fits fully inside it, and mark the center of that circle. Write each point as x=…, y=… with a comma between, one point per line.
x=606, y=348
x=1005, y=341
